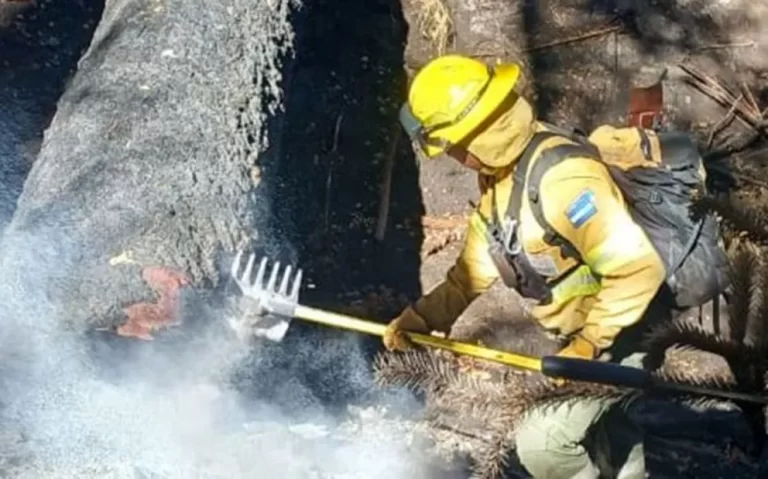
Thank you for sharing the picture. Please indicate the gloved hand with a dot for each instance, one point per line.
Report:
(409, 320)
(578, 348)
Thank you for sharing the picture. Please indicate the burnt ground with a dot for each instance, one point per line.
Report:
(40, 44)
(339, 134)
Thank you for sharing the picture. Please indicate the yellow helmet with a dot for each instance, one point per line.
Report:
(450, 97)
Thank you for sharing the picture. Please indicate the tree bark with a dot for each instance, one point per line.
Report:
(148, 174)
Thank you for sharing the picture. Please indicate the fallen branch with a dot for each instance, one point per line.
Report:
(749, 179)
(724, 122)
(719, 46)
(579, 38)
(386, 185)
(329, 178)
(745, 108)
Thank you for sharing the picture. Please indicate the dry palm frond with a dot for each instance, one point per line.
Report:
(758, 301)
(737, 219)
(749, 313)
(491, 460)
(471, 397)
(742, 254)
(512, 406)
(546, 395)
(420, 370)
(433, 22)
(687, 335)
(683, 365)
(429, 372)
(753, 414)
(491, 411)
(712, 382)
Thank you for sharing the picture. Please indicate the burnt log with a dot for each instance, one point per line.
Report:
(149, 173)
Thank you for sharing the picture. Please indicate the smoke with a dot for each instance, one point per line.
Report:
(169, 410)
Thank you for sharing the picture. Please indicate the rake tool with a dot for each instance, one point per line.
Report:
(273, 306)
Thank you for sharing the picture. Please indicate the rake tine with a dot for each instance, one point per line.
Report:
(273, 277)
(236, 264)
(249, 269)
(296, 285)
(262, 271)
(284, 283)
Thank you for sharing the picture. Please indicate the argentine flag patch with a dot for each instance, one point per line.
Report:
(582, 208)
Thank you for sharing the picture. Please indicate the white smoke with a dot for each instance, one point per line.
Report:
(170, 414)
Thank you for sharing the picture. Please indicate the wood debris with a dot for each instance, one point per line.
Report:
(440, 232)
(742, 106)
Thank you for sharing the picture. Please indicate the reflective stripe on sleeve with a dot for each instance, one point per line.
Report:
(581, 282)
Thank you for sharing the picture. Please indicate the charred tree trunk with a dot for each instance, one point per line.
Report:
(150, 170)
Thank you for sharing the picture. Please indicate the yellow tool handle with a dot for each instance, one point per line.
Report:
(552, 366)
(376, 329)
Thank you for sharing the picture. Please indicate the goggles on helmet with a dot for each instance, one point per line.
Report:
(420, 134)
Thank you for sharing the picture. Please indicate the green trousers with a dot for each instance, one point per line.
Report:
(551, 441)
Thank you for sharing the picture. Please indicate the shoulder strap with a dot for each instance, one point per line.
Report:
(521, 170)
(549, 158)
(575, 134)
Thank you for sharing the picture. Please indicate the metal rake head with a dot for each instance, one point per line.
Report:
(272, 305)
(256, 287)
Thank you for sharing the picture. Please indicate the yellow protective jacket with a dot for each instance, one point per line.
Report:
(622, 271)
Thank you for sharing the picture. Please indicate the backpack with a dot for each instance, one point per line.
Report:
(658, 175)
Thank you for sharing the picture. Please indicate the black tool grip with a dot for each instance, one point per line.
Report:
(595, 372)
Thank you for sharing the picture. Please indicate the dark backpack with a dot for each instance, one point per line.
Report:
(658, 190)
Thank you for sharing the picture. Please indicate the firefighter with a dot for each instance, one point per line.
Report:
(462, 109)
